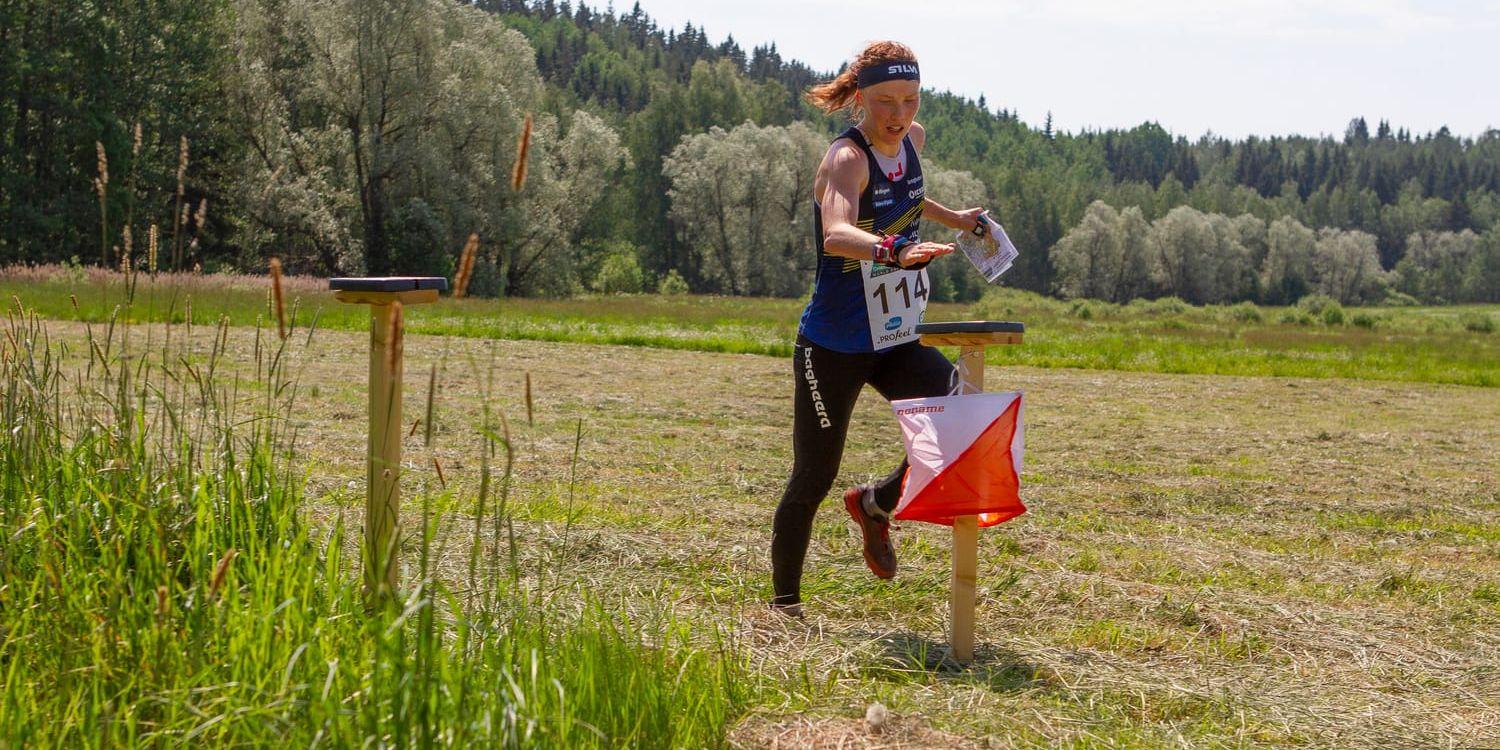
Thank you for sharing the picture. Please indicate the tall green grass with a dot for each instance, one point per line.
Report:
(161, 586)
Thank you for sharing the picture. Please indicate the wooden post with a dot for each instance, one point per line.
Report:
(383, 459)
(965, 536)
(971, 337)
(382, 535)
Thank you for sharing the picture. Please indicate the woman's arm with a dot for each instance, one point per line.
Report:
(935, 211)
(845, 175)
(962, 220)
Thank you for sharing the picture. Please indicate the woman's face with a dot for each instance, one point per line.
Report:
(890, 108)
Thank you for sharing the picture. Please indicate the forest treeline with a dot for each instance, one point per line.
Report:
(375, 136)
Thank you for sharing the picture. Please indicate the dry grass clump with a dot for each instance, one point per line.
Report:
(808, 733)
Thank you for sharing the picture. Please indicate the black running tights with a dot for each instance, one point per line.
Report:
(827, 385)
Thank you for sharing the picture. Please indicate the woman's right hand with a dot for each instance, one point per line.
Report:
(922, 253)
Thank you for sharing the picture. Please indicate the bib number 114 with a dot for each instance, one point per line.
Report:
(908, 292)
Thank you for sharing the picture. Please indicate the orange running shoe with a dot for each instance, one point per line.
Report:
(879, 554)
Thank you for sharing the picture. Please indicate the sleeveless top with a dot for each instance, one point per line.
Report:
(835, 316)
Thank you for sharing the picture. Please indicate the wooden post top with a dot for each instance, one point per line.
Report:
(970, 333)
(383, 290)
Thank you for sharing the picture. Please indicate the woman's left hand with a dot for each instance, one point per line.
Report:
(924, 252)
(967, 219)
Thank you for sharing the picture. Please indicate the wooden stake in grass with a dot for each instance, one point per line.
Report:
(523, 150)
(386, 298)
(278, 295)
(964, 580)
(382, 573)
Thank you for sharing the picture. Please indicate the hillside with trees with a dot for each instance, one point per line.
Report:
(374, 136)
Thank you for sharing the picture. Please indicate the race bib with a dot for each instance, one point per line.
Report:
(895, 301)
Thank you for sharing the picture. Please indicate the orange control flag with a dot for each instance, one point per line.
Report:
(965, 456)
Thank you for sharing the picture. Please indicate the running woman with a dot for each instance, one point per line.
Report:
(869, 293)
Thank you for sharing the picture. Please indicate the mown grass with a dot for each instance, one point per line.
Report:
(1197, 570)
(162, 585)
(1437, 345)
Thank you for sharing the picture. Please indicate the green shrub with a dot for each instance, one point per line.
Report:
(1081, 309)
(1441, 324)
(1478, 322)
(1394, 298)
(1364, 320)
(1294, 317)
(1005, 303)
(943, 289)
(1167, 306)
(672, 284)
(1313, 304)
(1333, 314)
(1246, 312)
(74, 271)
(620, 273)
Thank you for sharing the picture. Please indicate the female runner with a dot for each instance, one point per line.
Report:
(868, 296)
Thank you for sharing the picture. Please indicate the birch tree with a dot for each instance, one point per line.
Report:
(742, 200)
(1286, 273)
(1347, 265)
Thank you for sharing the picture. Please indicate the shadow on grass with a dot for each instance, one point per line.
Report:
(905, 657)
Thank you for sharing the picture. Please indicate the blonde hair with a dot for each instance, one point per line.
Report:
(832, 96)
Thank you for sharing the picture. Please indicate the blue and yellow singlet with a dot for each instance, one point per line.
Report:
(835, 317)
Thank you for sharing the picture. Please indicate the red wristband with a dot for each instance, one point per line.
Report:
(888, 249)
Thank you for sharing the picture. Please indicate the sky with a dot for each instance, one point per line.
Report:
(1231, 67)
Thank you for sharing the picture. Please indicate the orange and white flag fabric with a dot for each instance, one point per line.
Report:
(965, 456)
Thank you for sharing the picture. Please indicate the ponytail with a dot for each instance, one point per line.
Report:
(838, 94)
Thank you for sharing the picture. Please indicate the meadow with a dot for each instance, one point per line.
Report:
(1219, 553)
(1452, 344)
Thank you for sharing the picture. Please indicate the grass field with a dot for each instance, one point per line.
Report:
(1209, 560)
(1457, 345)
